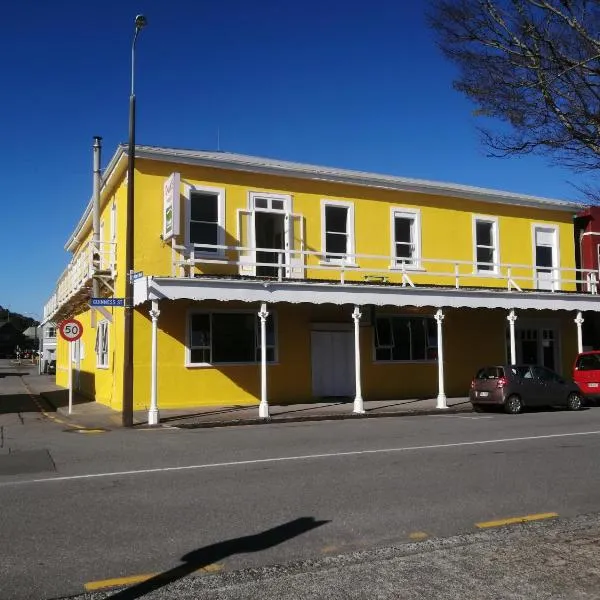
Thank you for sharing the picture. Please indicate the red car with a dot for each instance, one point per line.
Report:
(586, 373)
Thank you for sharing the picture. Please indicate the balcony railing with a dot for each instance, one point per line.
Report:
(371, 268)
(87, 263)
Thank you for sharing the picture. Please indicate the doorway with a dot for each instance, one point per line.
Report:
(537, 346)
(332, 356)
(269, 229)
(546, 257)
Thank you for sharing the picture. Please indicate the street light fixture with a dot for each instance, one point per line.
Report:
(127, 416)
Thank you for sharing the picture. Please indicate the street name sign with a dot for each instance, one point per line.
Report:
(107, 301)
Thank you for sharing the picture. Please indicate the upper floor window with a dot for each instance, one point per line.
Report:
(51, 332)
(101, 346)
(227, 337)
(485, 232)
(406, 236)
(338, 231)
(400, 338)
(206, 223)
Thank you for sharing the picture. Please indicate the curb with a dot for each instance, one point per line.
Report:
(329, 417)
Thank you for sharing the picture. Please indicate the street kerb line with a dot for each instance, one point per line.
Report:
(279, 459)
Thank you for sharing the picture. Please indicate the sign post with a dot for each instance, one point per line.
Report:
(71, 330)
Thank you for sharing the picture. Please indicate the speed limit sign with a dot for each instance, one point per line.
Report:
(71, 330)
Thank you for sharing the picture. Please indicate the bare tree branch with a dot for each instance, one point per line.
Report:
(534, 64)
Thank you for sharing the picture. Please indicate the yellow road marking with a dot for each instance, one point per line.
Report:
(92, 586)
(44, 412)
(418, 535)
(513, 520)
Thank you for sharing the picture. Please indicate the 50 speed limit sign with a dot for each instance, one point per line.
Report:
(71, 330)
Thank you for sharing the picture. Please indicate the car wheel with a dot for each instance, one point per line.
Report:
(513, 405)
(574, 401)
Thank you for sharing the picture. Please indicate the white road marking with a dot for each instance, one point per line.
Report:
(459, 417)
(278, 459)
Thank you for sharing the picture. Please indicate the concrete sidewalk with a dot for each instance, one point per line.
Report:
(93, 415)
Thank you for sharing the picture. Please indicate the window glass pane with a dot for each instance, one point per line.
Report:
(401, 332)
(543, 256)
(483, 231)
(200, 355)
(417, 328)
(277, 204)
(403, 229)
(233, 337)
(336, 218)
(335, 243)
(383, 332)
(204, 233)
(200, 331)
(204, 207)
(261, 203)
(404, 251)
(383, 354)
(485, 255)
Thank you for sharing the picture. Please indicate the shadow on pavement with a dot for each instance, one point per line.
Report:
(215, 552)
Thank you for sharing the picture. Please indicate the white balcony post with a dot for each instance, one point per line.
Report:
(441, 398)
(579, 322)
(153, 414)
(511, 318)
(359, 408)
(263, 408)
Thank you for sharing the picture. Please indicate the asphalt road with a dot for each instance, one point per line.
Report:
(83, 508)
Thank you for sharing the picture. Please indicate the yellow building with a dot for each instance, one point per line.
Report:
(283, 282)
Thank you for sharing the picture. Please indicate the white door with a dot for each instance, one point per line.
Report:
(546, 258)
(332, 355)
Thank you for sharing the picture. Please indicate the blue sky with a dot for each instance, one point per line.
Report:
(347, 84)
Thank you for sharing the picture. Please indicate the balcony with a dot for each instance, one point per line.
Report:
(281, 265)
(74, 286)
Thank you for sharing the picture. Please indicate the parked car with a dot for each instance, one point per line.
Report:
(586, 373)
(518, 386)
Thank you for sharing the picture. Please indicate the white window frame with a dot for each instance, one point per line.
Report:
(220, 192)
(415, 216)
(102, 344)
(270, 196)
(556, 272)
(50, 329)
(350, 257)
(495, 271)
(188, 338)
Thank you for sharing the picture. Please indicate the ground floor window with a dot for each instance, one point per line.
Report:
(400, 338)
(102, 344)
(228, 337)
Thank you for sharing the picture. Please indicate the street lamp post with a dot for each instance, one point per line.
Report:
(140, 23)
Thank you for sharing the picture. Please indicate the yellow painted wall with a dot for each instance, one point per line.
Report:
(446, 225)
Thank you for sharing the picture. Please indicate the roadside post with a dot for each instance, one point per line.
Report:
(70, 331)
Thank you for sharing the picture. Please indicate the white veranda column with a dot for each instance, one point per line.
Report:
(511, 318)
(263, 407)
(153, 414)
(359, 408)
(441, 398)
(579, 322)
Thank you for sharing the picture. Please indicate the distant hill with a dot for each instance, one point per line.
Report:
(20, 322)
